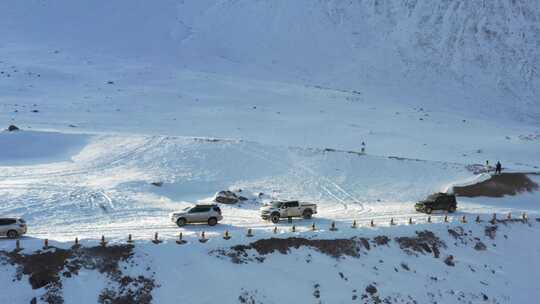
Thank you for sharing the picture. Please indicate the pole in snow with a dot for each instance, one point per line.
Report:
(203, 238)
(180, 240)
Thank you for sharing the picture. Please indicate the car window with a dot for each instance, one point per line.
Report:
(216, 209)
(292, 204)
(432, 197)
(199, 209)
(4, 222)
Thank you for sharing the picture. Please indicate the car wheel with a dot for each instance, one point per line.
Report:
(212, 221)
(12, 234)
(307, 214)
(181, 222)
(452, 209)
(428, 210)
(275, 218)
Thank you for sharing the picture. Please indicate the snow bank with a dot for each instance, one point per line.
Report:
(29, 147)
(422, 263)
(467, 182)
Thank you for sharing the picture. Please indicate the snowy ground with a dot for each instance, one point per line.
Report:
(459, 263)
(105, 187)
(186, 94)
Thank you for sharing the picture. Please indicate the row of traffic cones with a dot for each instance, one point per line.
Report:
(227, 235)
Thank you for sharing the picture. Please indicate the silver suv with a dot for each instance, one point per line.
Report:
(200, 213)
(12, 227)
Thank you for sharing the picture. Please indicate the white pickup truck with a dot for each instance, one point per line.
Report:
(285, 209)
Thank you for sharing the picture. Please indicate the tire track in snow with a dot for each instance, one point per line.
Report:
(258, 154)
(99, 164)
(318, 179)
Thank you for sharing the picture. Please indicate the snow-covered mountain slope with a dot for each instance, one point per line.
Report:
(428, 263)
(466, 56)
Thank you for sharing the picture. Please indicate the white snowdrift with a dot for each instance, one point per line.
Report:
(30, 147)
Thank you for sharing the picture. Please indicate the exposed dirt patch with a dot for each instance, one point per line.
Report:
(47, 268)
(499, 186)
(335, 248)
(424, 242)
(381, 240)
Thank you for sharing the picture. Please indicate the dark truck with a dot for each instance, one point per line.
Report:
(437, 201)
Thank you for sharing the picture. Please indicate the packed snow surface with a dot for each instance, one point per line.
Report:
(130, 110)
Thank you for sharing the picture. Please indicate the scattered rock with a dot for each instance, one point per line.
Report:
(371, 289)
(45, 268)
(425, 242)
(157, 184)
(13, 128)
(491, 231)
(228, 197)
(450, 260)
(480, 246)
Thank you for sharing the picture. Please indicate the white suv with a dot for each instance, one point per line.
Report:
(12, 227)
(201, 213)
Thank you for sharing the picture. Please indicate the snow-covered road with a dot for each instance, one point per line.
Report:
(104, 187)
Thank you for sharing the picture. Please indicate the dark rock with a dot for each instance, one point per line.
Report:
(491, 231)
(371, 289)
(157, 184)
(450, 260)
(480, 246)
(12, 128)
(228, 197)
(424, 242)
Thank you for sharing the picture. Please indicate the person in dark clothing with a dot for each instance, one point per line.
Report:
(498, 168)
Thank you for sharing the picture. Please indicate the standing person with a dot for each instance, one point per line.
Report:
(498, 168)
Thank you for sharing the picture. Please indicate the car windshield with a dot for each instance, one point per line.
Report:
(276, 204)
(22, 221)
(432, 197)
